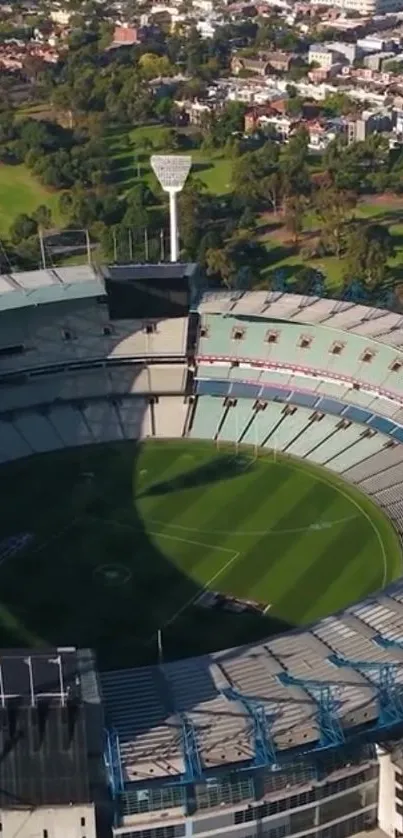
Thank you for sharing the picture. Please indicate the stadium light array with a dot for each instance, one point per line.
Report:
(172, 171)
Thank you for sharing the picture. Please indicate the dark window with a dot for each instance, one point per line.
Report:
(337, 348)
(399, 808)
(396, 366)
(367, 356)
(305, 342)
(272, 337)
(204, 332)
(399, 793)
(399, 778)
(244, 816)
(45, 833)
(82, 822)
(107, 331)
(16, 349)
(238, 334)
(67, 334)
(150, 328)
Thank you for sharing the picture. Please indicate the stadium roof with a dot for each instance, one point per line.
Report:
(44, 727)
(378, 323)
(147, 705)
(32, 288)
(165, 271)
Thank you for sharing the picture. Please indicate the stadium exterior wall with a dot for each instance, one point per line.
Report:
(74, 821)
(325, 799)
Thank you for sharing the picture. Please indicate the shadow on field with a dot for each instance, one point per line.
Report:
(92, 576)
(225, 467)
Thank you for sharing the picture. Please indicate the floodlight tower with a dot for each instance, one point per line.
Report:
(172, 171)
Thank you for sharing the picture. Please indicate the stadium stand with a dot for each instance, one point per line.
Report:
(290, 713)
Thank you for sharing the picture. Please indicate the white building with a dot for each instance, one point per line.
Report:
(72, 821)
(321, 55)
(367, 8)
(390, 797)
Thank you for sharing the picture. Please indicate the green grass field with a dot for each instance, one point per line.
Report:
(21, 192)
(130, 158)
(388, 212)
(125, 538)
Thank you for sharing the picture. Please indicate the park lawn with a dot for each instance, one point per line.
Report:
(131, 160)
(283, 257)
(21, 192)
(125, 538)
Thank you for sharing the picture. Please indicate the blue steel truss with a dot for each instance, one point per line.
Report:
(331, 733)
(191, 753)
(385, 643)
(113, 762)
(264, 747)
(390, 705)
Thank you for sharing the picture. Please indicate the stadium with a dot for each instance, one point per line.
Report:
(294, 732)
(201, 607)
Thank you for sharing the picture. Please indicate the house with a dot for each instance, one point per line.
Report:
(265, 62)
(125, 36)
(279, 60)
(265, 118)
(323, 56)
(254, 66)
(321, 133)
(368, 123)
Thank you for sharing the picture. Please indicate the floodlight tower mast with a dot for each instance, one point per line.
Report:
(172, 171)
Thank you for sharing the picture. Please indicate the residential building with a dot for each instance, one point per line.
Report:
(322, 55)
(265, 62)
(373, 43)
(125, 36)
(205, 6)
(368, 123)
(255, 66)
(377, 60)
(349, 51)
(61, 16)
(280, 61)
(367, 8)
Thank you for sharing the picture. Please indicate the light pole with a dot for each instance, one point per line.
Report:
(172, 171)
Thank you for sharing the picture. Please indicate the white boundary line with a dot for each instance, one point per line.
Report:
(334, 484)
(311, 528)
(345, 494)
(206, 586)
(190, 541)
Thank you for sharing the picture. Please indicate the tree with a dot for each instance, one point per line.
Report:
(294, 164)
(273, 188)
(239, 262)
(246, 179)
(154, 66)
(333, 207)
(294, 211)
(368, 251)
(229, 122)
(23, 227)
(295, 106)
(296, 152)
(220, 263)
(43, 216)
(192, 213)
(337, 104)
